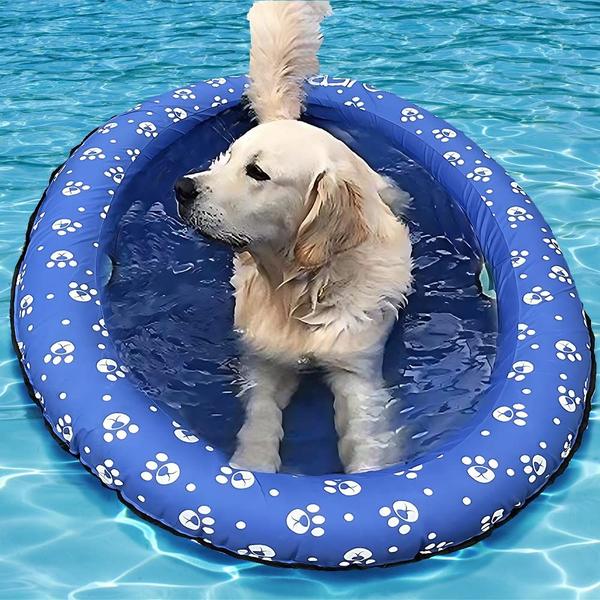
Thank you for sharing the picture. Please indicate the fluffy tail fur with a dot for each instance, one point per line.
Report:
(285, 39)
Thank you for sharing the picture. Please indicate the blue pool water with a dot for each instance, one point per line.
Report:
(519, 77)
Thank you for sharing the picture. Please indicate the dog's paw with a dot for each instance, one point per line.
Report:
(255, 457)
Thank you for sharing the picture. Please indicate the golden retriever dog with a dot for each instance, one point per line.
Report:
(321, 263)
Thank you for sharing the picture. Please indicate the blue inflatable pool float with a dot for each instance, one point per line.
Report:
(522, 434)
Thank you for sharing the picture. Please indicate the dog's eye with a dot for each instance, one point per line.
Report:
(255, 172)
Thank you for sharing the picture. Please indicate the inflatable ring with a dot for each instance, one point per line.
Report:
(539, 393)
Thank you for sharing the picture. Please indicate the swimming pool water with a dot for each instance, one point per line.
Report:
(519, 77)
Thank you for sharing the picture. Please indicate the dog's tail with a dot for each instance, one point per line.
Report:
(285, 39)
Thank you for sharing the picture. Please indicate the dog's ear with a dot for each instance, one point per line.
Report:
(334, 221)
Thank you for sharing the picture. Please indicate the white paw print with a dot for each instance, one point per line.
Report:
(400, 514)
(566, 350)
(444, 135)
(482, 470)
(111, 369)
(357, 556)
(184, 435)
(568, 399)
(184, 94)
(61, 351)
(104, 211)
(147, 129)
(108, 473)
(38, 220)
(490, 520)
(412, 473)
(520, 370)
(560, 274)
(21, 276)
(64, 428)
(81, 292)
(518, 257)
(517, 189)
(434, 546)
(216, 81)
(552, 244)
(65, 226)
(60, 259)
(218, 101)
(115, 173)
(163, 472)
(133, 153)
(537, 295)
(100, 327)
(515, 414)
(107, 128)
(410, 114)
(454, 158)
(567, 446)
(524, 331)
(302, 521)
(92, 154)
(72, 188)
(260, 551)
(240, 480)
(198, 519)
(516, 215)
(480, 174)
(117, 426)
(176, 114)
(26, 306)
(534, 466)
(346, 488)
(356, 102)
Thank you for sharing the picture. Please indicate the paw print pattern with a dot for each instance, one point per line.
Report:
(133, 153)
(489, 521)
(118, 426)
(92, 154)
(72, 188)
(218, 101)
(566, 350)
(216, 81)
(111, 369)
(64, 428)
(200, 518)
(65, 226)
(60, 352)
(61, 259)
(240, 480)
(511, 414)
(537, 295)
(346, 488)
(184, 94)
(356, 102)
(412, 473)
(147, 129)
(400, 515)
(410, 115)
(26, 306)
(568, 399)
(518, 258)
(524, 331)
(517, 189)
(81, 292)
(104, 212)
(107, 128)
(567, 446)
(480, 469)
(520, 370)
(260, 551)
(115, 173)
(553, 245)
(444, 135)
(432, 547)
(560, 274)
(160, 470)
(454, 158)
(357, 556)
(516, 215)
(176, 114)
(108, 473)
(184, 435)
(534, 466)
(100, 327)
(301, 521)
(480, 174)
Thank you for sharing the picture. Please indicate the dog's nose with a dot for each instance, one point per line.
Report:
(185, 190)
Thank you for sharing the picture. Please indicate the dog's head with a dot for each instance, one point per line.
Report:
(290, 188)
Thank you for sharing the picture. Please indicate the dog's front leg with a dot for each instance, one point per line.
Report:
(269, 389)
(366, 440)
